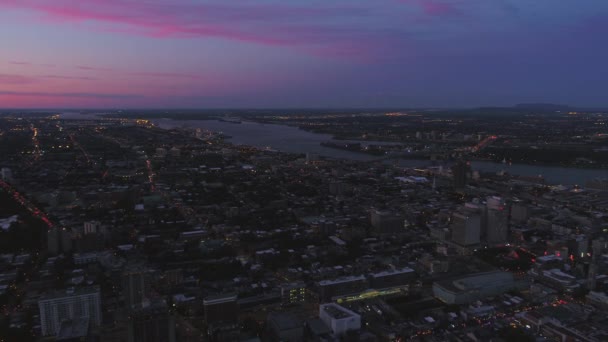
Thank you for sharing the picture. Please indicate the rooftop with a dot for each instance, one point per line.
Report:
(336, 311)
(341, 280)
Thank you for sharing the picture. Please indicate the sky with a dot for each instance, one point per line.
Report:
(302, 53)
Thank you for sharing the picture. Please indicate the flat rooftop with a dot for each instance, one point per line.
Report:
(336, 311)
(341, 280)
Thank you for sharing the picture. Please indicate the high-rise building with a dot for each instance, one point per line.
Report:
(152, 324)
(466, 227)
(135, 286)
(59, 240)
(60, 306)
(597, 247)
(519, 212)
(497, 226)
(460, 172)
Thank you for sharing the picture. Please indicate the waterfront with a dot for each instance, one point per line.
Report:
(268, 136)
(294, 140)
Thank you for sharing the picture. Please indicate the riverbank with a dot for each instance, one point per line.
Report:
(294, 140)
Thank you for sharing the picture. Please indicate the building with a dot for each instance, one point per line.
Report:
(74, 330)
(519, 212)
(339, 319)
(329, 289)
(59, 240)
(175, 152)
(160, 152)
(135, 286)
(293, 293)
(555, 332)
(497, 228)
(92, 227)
(284, 326)
(466, 227)
(474, 287)
(85, 258)
(556, 278)
(221, 308)
(460, 172)
(60, 306)
(598, 299)
(152, 324)
(7, 174)
(394, 278)
(386, 222)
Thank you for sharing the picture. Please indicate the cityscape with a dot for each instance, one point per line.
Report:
(181, 171)
(117, 229)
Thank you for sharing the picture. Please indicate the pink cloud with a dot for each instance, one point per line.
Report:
(19, 63)
(435, 7)
(77, 78)
(24, 63)
(438, 8)
(91, 68)
(22, 79)
(313, 29)
(15, 79)
(140, 73)
(70, 95)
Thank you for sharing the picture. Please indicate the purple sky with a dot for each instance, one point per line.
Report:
(297, 53)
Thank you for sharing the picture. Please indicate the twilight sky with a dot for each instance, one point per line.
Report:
(302, 53)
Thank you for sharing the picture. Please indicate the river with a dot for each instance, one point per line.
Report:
(294, 140)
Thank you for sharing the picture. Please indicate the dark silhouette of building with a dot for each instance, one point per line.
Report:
(152, 324)
(222, 308)
(135, 286)
(460, 172)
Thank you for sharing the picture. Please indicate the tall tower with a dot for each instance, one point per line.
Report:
(135, 286)
(460, 172)
(466, 227)
(597, 247)
(497, 231)
(152, 324)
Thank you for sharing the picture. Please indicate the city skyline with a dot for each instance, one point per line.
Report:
(271, 54)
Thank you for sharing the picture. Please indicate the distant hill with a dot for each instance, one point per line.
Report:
(543, 106)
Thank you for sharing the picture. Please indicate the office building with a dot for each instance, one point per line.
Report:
(473, 287)
(135, 286)
(460, 173)
(497, 228)
(59, 240)
(60, 306)
(293, 293)
(339, 319)
(393, 278)
(152, 324)
(466, 227)
(329, 289)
